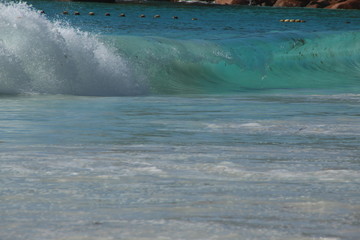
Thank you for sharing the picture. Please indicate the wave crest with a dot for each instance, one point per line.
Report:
(40, 56)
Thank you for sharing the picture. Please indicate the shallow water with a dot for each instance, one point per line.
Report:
(197, 139)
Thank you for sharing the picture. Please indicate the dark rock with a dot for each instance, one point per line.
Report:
(349, 4)
(291, 3)
(263, 2)
(318, 4)
(232, 2)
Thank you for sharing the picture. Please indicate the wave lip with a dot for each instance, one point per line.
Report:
(41, 56)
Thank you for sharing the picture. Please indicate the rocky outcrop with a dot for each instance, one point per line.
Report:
(349, 4)
(232, 2)
(318, 4)
(263, 2)
(291, 3)
(331, 4)
(246, 2)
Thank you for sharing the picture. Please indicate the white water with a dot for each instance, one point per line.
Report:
(262, 167)
(41, 56)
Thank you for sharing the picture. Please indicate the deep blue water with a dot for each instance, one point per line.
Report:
(231, 126)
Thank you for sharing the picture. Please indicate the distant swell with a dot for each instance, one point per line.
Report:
(39, 56)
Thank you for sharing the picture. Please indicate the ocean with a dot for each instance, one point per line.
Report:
(206, 122)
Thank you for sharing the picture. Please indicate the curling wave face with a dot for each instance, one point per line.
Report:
(277, 61)
(38, 55)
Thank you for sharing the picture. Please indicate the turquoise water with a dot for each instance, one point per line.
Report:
(232, 126)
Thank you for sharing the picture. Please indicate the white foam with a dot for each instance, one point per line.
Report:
(41, 56)
(250, 125)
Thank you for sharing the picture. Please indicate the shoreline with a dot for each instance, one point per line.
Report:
(325, 4)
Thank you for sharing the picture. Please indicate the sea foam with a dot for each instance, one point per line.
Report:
(50, 57)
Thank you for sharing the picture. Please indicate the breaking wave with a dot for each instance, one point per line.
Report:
(38, 55)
